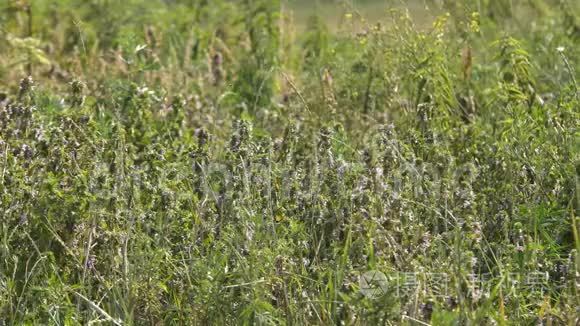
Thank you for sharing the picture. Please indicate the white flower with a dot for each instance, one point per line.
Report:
(560, 49)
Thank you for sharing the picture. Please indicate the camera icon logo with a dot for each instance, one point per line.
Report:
(373, 284)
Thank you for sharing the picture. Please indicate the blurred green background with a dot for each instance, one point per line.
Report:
(333, 11)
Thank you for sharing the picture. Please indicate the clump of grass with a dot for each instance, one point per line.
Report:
(196, 173)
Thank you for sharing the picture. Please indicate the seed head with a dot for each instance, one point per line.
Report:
(26, 86)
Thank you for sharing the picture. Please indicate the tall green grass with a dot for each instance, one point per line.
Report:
(197, 162)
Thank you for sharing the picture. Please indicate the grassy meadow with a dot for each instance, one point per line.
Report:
(269, 162)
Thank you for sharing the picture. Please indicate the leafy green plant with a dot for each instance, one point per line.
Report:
(192, 163)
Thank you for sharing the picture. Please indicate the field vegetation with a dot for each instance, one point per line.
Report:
(195, 162)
